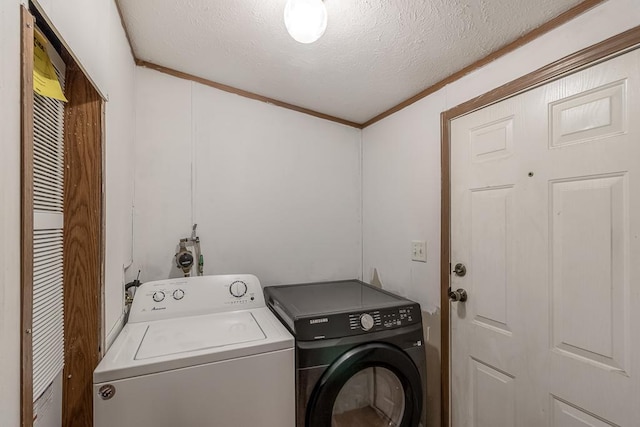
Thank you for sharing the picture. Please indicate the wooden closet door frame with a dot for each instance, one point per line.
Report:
(83, 243)
(600, 52)
(26, 226)
(84, 224)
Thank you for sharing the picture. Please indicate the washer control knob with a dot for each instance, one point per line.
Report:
(158, 296)
(366, 321)
(178, 294)
(238, 288)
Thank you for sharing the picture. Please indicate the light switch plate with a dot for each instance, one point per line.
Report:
(419, 250)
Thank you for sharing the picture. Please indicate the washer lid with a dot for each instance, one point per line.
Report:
(202, 332)
(139, 349)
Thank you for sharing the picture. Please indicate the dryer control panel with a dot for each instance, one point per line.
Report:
(192, 296)
(338, 325)
(379, 320)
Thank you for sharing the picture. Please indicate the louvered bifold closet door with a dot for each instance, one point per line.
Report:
(48, 204)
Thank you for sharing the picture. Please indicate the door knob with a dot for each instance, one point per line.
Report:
(460, 270)
(459, 295)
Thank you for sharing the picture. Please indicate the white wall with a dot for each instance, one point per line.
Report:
(120, 131)
(274, 192)
(86, 27)
(92, 31)
(401, 200)
(401, 203)
(9, 214)
(401, 162)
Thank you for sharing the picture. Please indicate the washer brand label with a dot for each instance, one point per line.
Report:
(158, 308)
(314, 321)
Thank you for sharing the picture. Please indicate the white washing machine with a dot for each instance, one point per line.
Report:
(196, 352)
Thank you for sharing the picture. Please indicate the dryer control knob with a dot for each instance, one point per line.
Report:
(158, 296)
(366, 321)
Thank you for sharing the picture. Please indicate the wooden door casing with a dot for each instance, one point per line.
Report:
(83, 245)
(26, 226)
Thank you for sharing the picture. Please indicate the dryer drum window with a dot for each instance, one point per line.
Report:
(373, 385)
(372, 397)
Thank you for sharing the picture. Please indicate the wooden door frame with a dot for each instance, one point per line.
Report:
(83, 243)
(84, 217)
(600, 52)
(26, 223)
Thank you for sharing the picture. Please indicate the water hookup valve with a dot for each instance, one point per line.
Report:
(185, 257)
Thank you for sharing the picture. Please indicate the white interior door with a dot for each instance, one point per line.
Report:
(545, 202)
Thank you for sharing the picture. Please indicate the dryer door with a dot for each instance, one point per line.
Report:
(372, 385)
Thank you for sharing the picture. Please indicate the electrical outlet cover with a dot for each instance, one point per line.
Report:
(419, 250)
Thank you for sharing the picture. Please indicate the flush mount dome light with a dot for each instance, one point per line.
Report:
(306, 20)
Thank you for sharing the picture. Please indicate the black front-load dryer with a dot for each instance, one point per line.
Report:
(360, 358)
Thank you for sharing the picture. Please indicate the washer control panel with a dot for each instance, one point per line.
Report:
(191, 296)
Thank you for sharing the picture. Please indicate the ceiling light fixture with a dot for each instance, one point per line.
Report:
(306, 20)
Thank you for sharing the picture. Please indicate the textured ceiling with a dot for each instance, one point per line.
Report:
(374, 54)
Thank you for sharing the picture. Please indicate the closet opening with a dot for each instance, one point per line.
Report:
(62, 237)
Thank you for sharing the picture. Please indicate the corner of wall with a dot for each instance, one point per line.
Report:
(361, 167)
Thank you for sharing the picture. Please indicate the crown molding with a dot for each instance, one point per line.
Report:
(244, 93)
(521, 41)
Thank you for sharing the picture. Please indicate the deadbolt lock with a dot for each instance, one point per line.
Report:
(460, 270)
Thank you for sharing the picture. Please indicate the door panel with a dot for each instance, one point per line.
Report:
(567, 415)
(545, 202)
(587, 268)
(492, 141)
(490, 223)
(493, 398)
(589, 115)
